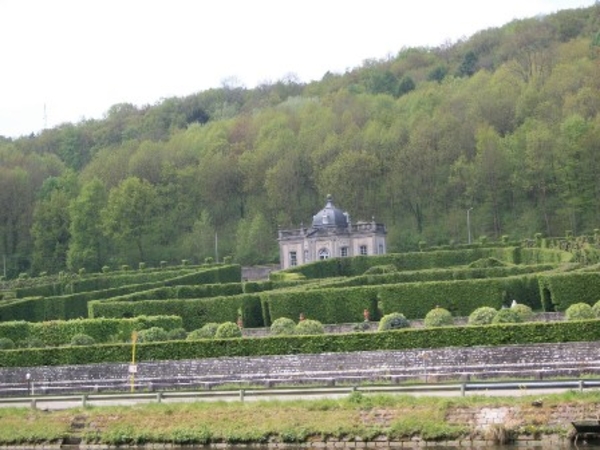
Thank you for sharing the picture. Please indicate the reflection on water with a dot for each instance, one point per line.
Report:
(579, 446)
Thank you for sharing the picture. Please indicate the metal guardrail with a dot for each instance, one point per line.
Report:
(460, 389)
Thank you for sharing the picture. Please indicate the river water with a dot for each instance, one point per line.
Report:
(580, 446)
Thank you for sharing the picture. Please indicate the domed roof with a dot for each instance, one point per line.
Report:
(330, 216)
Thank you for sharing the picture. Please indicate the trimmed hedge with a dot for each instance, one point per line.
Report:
(486, 335)
(182, 292)
(31, 309)
(415, 300)
(458, 273)
(75, 306)
(194, 312)
(535, 255)
(358, 265)
(561, 290)
(100, 282)
(71, 284)
(55, 333)
(325, 305)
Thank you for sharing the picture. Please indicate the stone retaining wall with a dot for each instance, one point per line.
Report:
(572, 359)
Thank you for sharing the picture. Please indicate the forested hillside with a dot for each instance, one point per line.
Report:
(506, 122)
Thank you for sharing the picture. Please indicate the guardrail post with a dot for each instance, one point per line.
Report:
(354, 389)
(581, 383)
(242, 394)
(159, 395)
(84, 400)
(463, 388)
(33, 403)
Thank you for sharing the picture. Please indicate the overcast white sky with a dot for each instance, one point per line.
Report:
(74, 59)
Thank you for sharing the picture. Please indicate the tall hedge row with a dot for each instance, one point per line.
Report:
(194, 312)
(198, 275)
(30, 309)
(231, 273)
(461, 298)
(71, 283)
(425, 338)
(536, 255)
(60, 332)
(325, 305)
(75, 306)
(182, 292)
(561, 290)
(458, 273)
(414, 300)
(403, 261)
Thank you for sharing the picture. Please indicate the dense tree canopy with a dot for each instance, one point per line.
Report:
(506, 122)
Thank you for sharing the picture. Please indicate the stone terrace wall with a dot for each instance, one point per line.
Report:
(572, 359)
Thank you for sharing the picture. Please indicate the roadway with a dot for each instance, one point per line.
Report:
(511, 389)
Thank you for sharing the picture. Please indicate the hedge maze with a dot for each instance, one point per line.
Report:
(43, 318)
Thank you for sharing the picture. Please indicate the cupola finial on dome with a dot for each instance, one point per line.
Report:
(330, 216)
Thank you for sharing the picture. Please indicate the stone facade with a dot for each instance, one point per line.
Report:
(331, 235)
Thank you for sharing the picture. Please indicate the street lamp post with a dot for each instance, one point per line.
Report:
(28, 379)
(469, 224)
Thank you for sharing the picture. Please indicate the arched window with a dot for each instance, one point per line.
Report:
(323, 253)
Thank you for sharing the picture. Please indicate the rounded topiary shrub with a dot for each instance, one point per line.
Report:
(228, 330)
(393, 321)
(596, 308)
(507, 315)
(283, 326)
(482, 316)
(82, 339)
(6, 344)
(438, 317)
(580, 311)
(309, 326)
(154, 334)
(178, 334)
(208, 331)
(524, 311)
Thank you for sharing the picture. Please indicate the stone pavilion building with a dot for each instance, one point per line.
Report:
(331, 235)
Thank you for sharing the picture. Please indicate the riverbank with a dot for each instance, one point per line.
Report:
(358, 421)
